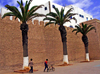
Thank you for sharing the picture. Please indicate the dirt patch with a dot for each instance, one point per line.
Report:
(86, 61)
(24, 70)
(65, 64)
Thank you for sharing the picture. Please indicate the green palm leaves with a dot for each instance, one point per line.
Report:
(84, 29)
(58, 17)
(25, 14)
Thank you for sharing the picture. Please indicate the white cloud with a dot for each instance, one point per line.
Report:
(97, 7)
(89, 12)
(96, 15)
(38, 2)
(96, 12)
(56, 1)
(73, 1)
(83, 3)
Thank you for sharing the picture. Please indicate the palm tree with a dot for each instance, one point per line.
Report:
(84, 30)
(59, 18)
(24, 16)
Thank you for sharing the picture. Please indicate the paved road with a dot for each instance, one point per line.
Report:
(78, 68)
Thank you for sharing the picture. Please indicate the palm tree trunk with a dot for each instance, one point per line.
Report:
(87, 54)
(24, 29)
(65, 55)
(85, 41)
(64, 40)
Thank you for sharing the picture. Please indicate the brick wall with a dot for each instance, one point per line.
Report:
(75, 46)
(10, 44)
(42, 43)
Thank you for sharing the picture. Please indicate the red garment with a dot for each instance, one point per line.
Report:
(46, 62)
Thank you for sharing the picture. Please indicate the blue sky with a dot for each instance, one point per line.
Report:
(91, 7)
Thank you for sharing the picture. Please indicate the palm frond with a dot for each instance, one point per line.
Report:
(91, 29)
(88, 27)
(74, 30)
(33, 9)
(34, 15)
(62, 13)
(14, 10)
(50, 19)
(49, 23)
(37, 8)
(24, 15)
(21, 2)
(71, 9)
(8, 14)
(70, 15)
(74, 19)
(27, 6)
(22, 9)
(85, 26)
(57, 11)
(79, 29)
(52, 14)
(66, 20)
(59, 16)
(82, 25)
(84, 29)
(77, 32)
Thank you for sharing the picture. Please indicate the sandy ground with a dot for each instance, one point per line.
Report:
(77, 68)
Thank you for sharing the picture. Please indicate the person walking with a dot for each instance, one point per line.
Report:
(31, 66)
(46, 65)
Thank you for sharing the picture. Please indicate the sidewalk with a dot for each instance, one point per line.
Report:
(78, 68)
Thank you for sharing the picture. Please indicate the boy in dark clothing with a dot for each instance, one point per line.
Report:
(46, 65)
(31, 66)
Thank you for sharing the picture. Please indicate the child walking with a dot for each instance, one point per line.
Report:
(46, 65)
(31, 66)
